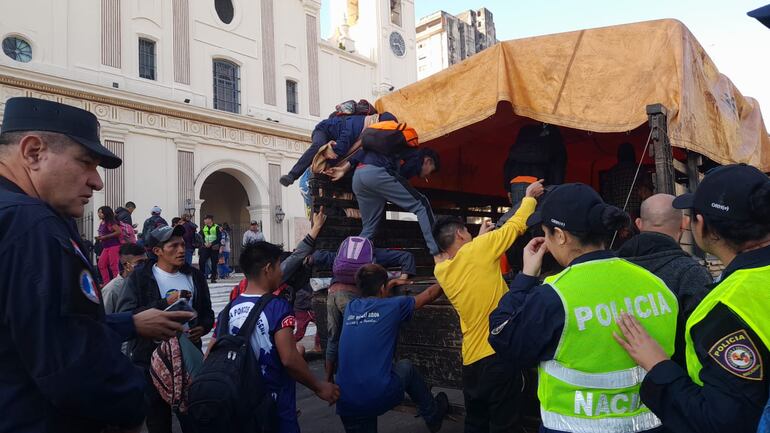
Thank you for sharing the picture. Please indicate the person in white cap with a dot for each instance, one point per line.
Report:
(153, 222)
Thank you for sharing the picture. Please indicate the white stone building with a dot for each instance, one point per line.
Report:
(444, 39)
(208, 102)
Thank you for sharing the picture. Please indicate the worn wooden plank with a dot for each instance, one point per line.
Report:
(440, 366)
(664, 166)
(433, 325)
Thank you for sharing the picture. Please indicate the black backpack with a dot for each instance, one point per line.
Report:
(229, 394)
(388, 137)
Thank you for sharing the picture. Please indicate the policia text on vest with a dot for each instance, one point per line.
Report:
(591, 384)
(643, 306)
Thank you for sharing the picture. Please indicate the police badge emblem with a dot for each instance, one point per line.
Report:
(737, 354)
(88, 287)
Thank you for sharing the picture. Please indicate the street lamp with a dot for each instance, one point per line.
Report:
(279, 214)
(189, 207)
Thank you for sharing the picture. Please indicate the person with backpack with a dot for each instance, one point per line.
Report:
(370, 382)
(342, 130)
(271, 337)
(354, 253)
(123, 214)
(382, 173)
(159, 284)
(153, 222)
(109, 237)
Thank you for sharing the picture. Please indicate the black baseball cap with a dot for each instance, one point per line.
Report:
(163, 234)
(32, 114)
(573, 207)
(725, 192)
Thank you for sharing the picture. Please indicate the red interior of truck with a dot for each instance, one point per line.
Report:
(472, 158)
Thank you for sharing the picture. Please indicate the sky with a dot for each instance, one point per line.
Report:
(738, 45)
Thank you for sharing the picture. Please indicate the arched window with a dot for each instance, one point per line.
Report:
(17, 48)
(227, 86)
(292, 103)
(225, 10)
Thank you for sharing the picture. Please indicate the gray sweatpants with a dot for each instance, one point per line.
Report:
(375, 186)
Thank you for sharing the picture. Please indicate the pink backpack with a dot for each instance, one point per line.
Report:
(127, 233)
(354, 253)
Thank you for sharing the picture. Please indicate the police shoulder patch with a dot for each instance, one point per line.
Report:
(88, 286)
(737, 354)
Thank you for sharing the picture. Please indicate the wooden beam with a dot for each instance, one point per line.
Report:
(694, 160)
(661, 147)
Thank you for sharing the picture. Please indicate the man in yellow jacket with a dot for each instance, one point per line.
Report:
(468, 270)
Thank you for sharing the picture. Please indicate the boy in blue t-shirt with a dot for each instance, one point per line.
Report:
(273, 338)
(370, 384)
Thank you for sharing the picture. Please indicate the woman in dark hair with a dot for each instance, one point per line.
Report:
(725, 384)
(109, 237)
(586, 381)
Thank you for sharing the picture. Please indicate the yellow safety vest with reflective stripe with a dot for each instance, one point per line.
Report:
(591, 384)
(210, 234)
(747, 293)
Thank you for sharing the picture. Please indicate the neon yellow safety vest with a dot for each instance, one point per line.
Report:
(210, 233)
(747, 293)
(591, 384)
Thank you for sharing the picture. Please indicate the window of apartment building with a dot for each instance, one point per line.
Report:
(17, 48)
(395, 12)
(225, 10)
(227, 86)
(292, 104)
(147, 59)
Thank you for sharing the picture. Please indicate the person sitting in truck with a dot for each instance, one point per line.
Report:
(380, 178)
(343, 131)
(626, 185)
(537, 153)
(586, 383)
(469, 273)
(370, 382)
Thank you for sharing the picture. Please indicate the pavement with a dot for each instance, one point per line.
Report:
(316, 416)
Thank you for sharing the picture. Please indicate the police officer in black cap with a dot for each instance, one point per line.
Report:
(724, 385)
(586, 382)
(61, 369)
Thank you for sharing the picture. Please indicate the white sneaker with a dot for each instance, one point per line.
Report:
(320, 283)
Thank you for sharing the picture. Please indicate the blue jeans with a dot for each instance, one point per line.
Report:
(224, 269)
(418, 391)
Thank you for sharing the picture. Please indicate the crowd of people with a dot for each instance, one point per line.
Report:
(635, 339)
(212, 241)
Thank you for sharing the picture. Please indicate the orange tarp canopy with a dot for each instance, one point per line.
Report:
(598, 81)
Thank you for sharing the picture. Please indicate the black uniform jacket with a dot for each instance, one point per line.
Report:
(733, 393)
(61, 369)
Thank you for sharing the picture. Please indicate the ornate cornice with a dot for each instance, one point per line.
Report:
(147, 108)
